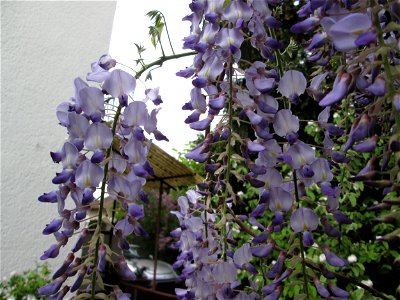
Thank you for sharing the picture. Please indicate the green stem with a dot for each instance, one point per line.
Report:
(388, 72)
(100, 216)
(279, 64)
(158, 62)
(229, 154)
(303, 261)
(162, 48)
(161, 60)
(166, 30)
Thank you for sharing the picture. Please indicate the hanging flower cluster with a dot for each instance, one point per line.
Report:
(105, 150)
(262, 95)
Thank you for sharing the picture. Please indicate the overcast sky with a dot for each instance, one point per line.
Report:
(131, 26)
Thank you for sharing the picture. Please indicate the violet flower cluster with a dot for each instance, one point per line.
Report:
(262, 95)
(106, 152)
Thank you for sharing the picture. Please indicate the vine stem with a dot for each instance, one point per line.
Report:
(100, 216)
(166, 29)
(157, 62)
(389, 76)
(161, 60)
(229, 154)
(303, 261)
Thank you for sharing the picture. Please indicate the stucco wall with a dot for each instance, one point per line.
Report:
(44, 46)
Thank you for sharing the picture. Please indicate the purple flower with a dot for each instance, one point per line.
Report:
(285, 123)
(61, 270)
(332, 258)
(52, 252)
(53, 226)
(98, 74)
(107, 62)
(338, 291)
(202, 124)
(77, 126)
(119, 295)
(304, 219)
(229, 39)
(136, 152)
(307, 239)
(119, 83)
(124, 270)
(243, 255)
(60, 295)
(292, 84)
(280, 200)
(320, 288)
(360, 129)
(102, 258)
(366, 38)
(329, 229)
(346, 30)
(237, 10)
(211, 69)
(339, 90)
(52, 287)
(98, 136)
(224, 272)
(366, 146)
(262, 250)
(50, 197)
(300, 154)
(88, 174)
(304, 26)
(79, 279)
(136, 210)
(80, 240)
(264, 84)
(341, 218)
(322, 170)
(92, 102)
(135, 114)
(276, 268)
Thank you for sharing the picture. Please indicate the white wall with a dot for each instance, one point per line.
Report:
(44, 46)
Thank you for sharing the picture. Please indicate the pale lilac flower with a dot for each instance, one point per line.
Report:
(119, 83)
(292, 85)
(98, 136)
(92, 102)
(285, 123)
(345, 31)
(304, 219)
(88, 174)
(339, 90)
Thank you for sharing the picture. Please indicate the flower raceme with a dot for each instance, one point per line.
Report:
(99, 155)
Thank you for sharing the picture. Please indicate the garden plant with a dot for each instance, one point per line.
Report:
(299, 106)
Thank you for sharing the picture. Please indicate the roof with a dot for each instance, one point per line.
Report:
(169, 170)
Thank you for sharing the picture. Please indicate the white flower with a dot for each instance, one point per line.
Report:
(352, 258)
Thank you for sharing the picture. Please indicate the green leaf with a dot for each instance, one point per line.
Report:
(83, 296)
(294, 261)
(226, 3)
(353, 199)
(101, 296)
(221, 223)
(299, 296)
(139, 48)
(358, 294)
(148, 76)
